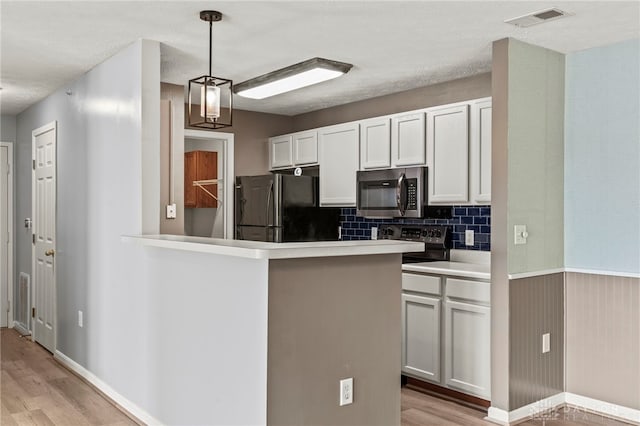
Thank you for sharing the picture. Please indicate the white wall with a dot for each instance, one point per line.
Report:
(100, 197)
(602, 159)
(156, 322)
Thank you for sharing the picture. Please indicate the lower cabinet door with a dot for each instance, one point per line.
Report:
(421, 337)
(468, 348)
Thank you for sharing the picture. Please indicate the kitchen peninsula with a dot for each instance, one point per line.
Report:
(285, 322)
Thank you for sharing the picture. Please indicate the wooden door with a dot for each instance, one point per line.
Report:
(44, 224)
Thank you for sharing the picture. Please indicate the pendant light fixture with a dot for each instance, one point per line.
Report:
(210, 98)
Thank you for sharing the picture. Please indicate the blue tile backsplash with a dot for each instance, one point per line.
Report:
(476, 218)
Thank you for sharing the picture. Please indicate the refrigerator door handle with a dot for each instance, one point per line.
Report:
(269, 194)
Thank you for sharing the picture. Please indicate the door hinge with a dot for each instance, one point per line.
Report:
(33, 312)
(33, 238)
(33, 164)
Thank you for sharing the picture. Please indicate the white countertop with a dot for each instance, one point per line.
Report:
(458, 269)
(262, 250)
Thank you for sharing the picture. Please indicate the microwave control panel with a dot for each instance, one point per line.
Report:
(412, 194)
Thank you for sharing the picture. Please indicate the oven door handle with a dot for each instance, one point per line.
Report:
(402, 208)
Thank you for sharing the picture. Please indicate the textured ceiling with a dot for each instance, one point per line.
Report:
(393, 46)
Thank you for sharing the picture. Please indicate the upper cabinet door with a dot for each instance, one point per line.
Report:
(480, 161)
(407, 140)
(339, 162)
(305, 148)
(448, 155)
(375, 143)
(280, 151)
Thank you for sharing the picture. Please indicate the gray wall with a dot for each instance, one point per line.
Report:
(536, 156)
(527, 189)
(331, 323)
(603, 338)
(251, 132)
(8, 128)
(478, 86)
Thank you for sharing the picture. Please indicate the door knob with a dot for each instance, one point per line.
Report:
(50, 252)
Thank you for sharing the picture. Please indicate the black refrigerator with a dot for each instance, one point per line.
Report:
(282, 208)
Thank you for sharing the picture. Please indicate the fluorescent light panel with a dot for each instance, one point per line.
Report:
(294, 77)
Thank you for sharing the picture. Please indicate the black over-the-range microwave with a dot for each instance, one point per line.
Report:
(392, 193)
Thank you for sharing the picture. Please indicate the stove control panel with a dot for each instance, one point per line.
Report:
(430, 234)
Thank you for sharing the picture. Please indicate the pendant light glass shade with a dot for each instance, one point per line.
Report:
(210, 98)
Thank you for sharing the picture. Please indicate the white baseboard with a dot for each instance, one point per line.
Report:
(606, 408)
(538, 408)
(123, 402)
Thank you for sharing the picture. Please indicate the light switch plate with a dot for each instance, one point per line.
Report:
(520, 234)
(171, 211)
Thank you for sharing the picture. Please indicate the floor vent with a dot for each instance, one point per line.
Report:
(23, 301)
(538, 17)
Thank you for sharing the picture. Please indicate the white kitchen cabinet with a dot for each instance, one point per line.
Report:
(375, 143)
(421, 336)
(448, 154)
(467, 337)
(297, 149)
(408, 140)
(280, 151)
(339, 148)
(480, 161)
(305, 148)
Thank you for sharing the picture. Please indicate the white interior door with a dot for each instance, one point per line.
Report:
(4, 236)
(44, 214)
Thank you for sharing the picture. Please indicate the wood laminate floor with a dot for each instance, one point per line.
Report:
(36, 390)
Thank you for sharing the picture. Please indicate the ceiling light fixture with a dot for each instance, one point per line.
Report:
(293, 77)
(210, 98)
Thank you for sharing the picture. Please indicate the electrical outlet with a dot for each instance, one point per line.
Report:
(546, 343)
(346, 391)
(469, 239)
(80, 319)
(171, 211)
(374, 232)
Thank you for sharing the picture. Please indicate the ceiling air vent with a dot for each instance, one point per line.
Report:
(537, 17)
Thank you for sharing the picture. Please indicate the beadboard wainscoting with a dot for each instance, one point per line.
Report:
(463, 218)
(603, 338)
(536, 308)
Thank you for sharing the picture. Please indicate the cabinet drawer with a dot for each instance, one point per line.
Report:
(468, 290)
(421, 283)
